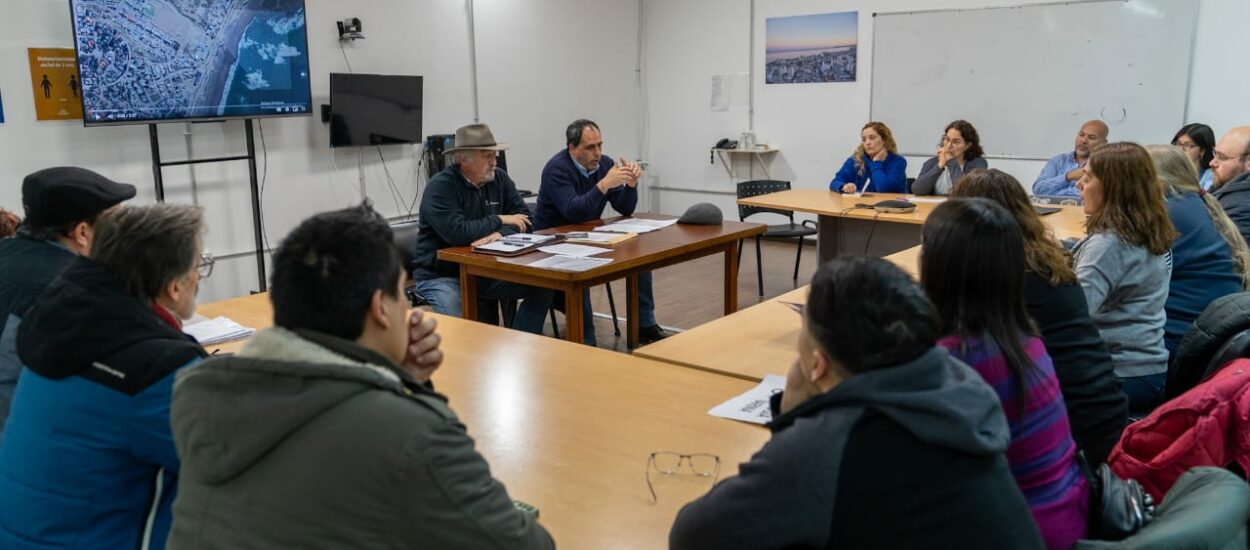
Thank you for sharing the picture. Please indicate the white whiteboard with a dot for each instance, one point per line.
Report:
(1028, 76)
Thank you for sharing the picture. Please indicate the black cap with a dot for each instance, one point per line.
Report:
(63, 195)
(704, 213)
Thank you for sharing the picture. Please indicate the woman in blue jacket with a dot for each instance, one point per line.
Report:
(875, 166)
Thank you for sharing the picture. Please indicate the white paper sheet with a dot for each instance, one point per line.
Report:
(528, 238)
(636, 225)
(577, 250)
(216, 331)
(570, 263)
(752, 406)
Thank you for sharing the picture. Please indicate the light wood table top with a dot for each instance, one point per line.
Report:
(1068, 222)
(568, 428)
(749, 344)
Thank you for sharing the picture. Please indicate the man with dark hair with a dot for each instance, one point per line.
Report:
(577, 184)
(471, 202)
(880, 439)
(61, 207)
(88, 459)
(324, 431)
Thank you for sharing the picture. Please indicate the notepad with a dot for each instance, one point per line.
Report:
(217, 330)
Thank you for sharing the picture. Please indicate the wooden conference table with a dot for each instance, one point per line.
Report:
(649, 251)
(568, 428)
(762, 339)
(847, 229)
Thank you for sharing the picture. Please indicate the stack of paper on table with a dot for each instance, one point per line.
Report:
(595, 237)
(215, 331)
(635, 225)
(570, 263)
(576, 250)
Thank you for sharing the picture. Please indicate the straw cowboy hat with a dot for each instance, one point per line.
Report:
(476, 137)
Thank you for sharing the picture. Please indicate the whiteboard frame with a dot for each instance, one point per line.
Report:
(872, 82)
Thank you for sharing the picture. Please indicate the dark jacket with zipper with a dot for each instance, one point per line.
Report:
(1234, 196)
(88, 459)
(27, 266)
(455, 213)
(910, 456)
(304, 440)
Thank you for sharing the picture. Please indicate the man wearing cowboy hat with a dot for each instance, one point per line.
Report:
(471, 202)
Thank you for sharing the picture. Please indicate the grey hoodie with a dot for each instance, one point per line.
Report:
(309, 441)
(785, 496)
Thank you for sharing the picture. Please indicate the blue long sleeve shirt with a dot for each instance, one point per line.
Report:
(568, 193)
(887, 176)
(1053, 181)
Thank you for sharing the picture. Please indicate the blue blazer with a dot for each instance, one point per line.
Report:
(887, 176)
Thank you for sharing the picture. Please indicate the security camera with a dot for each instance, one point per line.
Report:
(350, 29)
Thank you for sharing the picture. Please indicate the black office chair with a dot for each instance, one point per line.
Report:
(783, 231)
(405, 236)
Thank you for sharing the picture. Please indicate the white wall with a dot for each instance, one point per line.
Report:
(817, 126)
(540, 65)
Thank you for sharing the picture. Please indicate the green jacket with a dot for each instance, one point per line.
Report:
(303, 440)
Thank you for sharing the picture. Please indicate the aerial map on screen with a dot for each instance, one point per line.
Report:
(145, 60)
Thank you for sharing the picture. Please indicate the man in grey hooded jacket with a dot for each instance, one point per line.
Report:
(324, 431)
(882, 440)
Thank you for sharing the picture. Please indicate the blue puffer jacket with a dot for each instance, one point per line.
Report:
(27, 266)
(88, 459)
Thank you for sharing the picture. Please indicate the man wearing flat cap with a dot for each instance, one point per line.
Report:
(61, 206)
(472, 202)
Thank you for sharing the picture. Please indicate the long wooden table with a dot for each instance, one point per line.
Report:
(671, 245)
(568, 428)
(844, 228)
(754, 342)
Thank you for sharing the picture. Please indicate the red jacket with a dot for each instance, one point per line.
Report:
(1208, 425)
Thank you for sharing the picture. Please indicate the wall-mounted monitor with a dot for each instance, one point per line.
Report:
(168, 60)
(374, 109)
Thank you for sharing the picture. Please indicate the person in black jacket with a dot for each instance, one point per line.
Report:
(1096, 403)
(1230, 177)
(880, 439)
(61, 208)
(472, 202)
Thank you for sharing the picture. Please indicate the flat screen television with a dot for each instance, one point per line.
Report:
(143, 61)
(374, 109)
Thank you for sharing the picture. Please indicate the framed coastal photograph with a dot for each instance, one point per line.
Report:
(804, 49)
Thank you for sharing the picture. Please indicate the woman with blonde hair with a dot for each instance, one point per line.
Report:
(1210, 258)
(1097, 407)
(1124, 264)
(875, 166)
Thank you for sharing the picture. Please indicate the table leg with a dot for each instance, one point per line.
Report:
(827, 238)
(631, 311)
(575, 331)
(468, 294)
(731, 279)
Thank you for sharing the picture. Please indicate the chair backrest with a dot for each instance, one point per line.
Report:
(1207, 341)
(1236, 347)
(910, 181)
(1206, 508)
(406, 241)
(761, 187)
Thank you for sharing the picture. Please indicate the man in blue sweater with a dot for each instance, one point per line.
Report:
(577, 184)
(472, 202)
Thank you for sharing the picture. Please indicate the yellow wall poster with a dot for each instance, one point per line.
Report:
(54, 80)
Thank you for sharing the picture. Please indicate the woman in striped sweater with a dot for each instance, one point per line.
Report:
(972, 266)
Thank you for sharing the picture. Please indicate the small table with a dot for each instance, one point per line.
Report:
(649, 251)
(845, 228)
